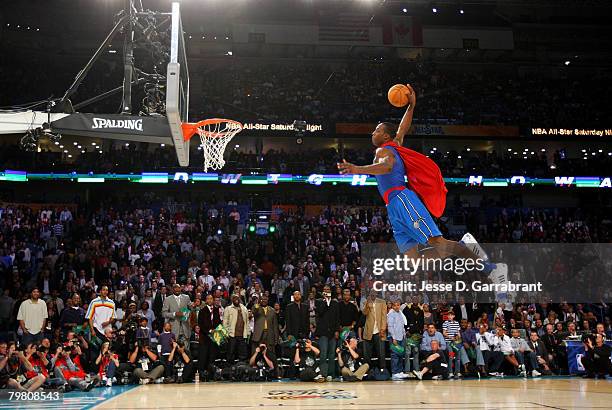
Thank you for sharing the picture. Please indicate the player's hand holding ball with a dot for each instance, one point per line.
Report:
(401, 95)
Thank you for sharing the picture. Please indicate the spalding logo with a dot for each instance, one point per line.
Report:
(135, 125)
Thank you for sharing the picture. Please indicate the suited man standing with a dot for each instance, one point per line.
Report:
(297, 317)
(158, 301)
(328, 329)
(374, 332)
(172, 312)
(265, 329)
(208, 319)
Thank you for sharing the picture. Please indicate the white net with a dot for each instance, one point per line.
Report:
(214, 137)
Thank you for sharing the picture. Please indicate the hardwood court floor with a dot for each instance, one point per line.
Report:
(504, 394)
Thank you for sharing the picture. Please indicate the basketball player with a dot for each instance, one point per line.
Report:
(410, 207)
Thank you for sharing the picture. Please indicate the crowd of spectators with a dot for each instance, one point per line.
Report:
(137, 295)
(355, 91)
(456, 163)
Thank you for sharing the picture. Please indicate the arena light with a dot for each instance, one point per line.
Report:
(251, 228)
(567, 62)
(434, 10)
(272, 228)
(219, 232)
(461, 11)
(405, 10)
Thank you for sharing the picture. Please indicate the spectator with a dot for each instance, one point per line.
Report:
(328, 325)
(436, 363)
(32, 317)
(396, 322)
(208, 319)
(374, 335)
(523, 352)
(536, 345)
(101, 313)
(235, 320)
(174, 310)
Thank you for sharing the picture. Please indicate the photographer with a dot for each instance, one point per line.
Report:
(147, 366)
(263, 365)
(107, 362)
(179, 367)
(78, 340)
(349, 360)
(596, 359)
(67, 366)
(306, 360)
(15, 369)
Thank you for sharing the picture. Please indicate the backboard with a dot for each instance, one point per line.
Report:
(177, 87)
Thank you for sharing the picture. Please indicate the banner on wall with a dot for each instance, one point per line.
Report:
(575, 352)
(441, 130)
(572, 132)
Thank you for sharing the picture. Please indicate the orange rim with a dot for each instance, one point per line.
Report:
(191, 128)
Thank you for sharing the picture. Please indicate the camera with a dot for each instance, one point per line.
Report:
(300, 343)
(586, 337)
(142, 343)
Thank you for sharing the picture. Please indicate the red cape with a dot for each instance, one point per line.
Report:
(424, 178)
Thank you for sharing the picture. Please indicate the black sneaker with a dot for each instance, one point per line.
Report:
(90, 386)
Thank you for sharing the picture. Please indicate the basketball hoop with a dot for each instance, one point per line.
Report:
(214, 134)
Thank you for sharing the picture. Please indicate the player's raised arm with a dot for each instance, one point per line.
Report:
(407, 118)
(383, 164)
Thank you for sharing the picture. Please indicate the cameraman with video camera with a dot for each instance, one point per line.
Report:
(352, 368)
(179, 365)
(306, 360)
(147, 366)
(262, 364)
(596, 359)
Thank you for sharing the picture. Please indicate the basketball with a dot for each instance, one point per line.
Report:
(398, 95)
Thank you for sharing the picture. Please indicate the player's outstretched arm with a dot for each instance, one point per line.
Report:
(407, 118)
(383, 164)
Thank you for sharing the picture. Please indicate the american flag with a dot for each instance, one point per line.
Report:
(344, 27)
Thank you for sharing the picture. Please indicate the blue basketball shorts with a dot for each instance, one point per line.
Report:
(412, 224)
